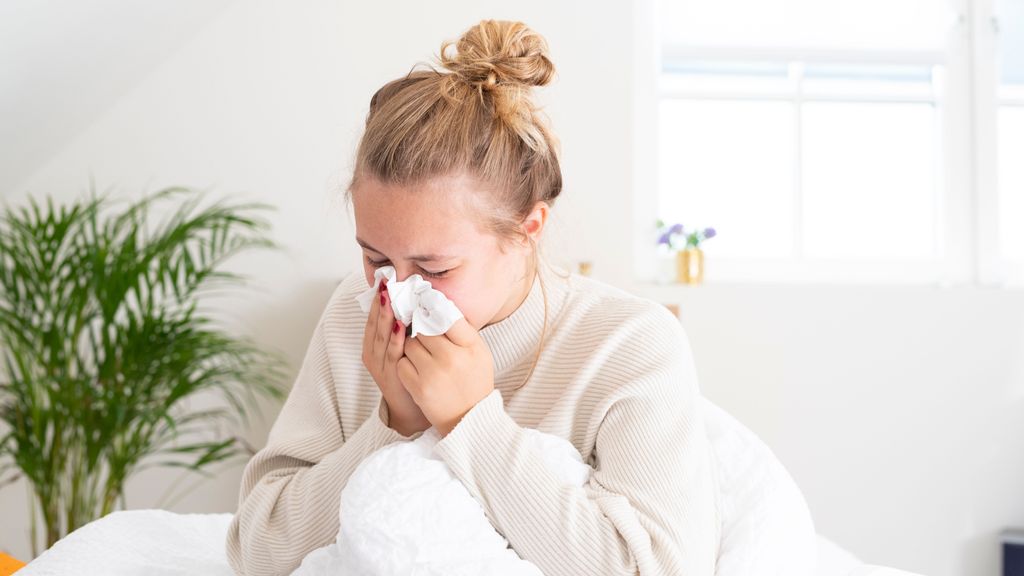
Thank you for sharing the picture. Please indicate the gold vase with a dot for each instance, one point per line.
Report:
(690, 266)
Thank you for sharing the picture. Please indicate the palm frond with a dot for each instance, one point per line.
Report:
(102, 343)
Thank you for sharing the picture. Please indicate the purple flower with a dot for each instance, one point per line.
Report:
(676, 234)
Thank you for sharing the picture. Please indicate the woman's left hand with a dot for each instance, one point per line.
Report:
(447, 375)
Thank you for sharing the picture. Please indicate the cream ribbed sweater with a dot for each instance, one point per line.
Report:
(615, 378)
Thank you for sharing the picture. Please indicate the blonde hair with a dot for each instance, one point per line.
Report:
(478, 119)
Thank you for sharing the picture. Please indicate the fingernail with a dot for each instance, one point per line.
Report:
(394, 329)
(381, 299)
(384, 286)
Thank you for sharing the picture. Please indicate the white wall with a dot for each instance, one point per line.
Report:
(898, 410)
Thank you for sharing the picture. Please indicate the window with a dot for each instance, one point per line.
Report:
(832, 141)
(804, 160)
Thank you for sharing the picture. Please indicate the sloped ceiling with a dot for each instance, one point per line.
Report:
(64, 62)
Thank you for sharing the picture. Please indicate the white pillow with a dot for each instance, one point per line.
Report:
(766, 526)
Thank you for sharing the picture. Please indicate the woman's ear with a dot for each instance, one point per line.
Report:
(533, 224)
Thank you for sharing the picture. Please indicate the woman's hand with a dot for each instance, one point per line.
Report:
(448, 374)
(383, 345)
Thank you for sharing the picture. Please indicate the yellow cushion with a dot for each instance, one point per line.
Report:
(9, 565)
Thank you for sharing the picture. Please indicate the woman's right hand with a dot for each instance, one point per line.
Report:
(383, 347)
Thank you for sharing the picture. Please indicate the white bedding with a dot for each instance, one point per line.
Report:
(161, 543)
(766, 526)
(403, 512)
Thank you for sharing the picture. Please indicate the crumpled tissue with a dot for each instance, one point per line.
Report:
(415, 303)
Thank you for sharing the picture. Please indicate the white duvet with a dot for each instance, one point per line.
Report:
(765, 522)
(403, 512)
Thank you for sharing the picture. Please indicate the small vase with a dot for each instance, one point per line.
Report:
(690, 266)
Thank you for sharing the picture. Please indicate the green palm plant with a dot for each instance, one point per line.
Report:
(103, 343)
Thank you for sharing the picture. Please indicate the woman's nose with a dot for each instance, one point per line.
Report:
(402, 272)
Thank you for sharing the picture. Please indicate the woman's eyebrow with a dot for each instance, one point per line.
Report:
(417, 258)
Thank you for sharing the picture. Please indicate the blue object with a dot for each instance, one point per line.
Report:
(1013, 552)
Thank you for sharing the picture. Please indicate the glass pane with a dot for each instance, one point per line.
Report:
(1011, 182)
(1010, 128)
(824, 24)
(851, 81)
(694, 76)
(729, 165)
(1011, 41)
(868, 180)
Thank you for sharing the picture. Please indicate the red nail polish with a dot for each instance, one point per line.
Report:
(394, 329)
(381, 299)
(384, 286)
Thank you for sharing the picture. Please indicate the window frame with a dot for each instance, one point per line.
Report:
(993, 270)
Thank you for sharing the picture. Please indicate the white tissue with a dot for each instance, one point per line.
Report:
(414, 301)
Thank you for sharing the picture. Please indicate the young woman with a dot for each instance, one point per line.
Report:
(454, 179)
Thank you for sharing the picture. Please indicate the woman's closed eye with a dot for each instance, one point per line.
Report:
(427, 273)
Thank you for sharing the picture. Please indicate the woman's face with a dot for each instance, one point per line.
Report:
(428, 229)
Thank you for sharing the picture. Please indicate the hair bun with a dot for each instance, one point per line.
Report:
(496, 52)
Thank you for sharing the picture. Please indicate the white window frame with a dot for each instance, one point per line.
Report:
(992, 269)
(969, 220)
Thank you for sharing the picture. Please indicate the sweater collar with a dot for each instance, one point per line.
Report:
(515, 337)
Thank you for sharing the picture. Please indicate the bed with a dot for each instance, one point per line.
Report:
(764, 519)
(162, 543)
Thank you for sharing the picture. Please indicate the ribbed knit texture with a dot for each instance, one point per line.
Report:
(615, 378)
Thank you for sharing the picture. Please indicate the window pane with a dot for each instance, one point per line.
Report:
(729, 165)
(868, 182)
(1011, 40)
(855, 81)
(694, 76)
(1011, 182)
(1010, 128)
(825, 24)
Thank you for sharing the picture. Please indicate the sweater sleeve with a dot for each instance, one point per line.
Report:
(649, 507)
(291, 489)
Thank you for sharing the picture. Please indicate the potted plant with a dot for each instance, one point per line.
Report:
(686, 247)
(103, 343)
